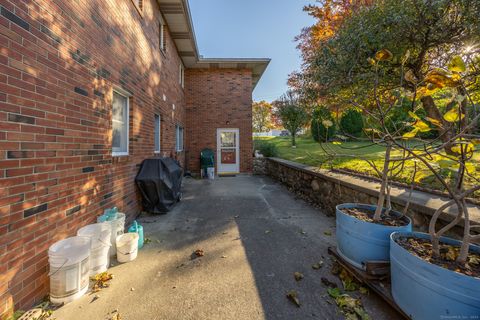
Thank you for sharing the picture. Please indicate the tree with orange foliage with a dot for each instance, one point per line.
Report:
(329, 16)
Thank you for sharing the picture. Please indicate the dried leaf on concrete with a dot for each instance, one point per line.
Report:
(101, 281)
(336, 268)
(298, 276)
(352, 308)
(199, 253)
(317, 265)
(328, 283)
(293, 297)
(349, 283)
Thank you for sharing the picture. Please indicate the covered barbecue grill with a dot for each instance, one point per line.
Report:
(159, 181)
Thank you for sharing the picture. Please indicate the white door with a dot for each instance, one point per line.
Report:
(228, 155)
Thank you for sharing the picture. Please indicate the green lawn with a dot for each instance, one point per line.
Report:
(349, 156)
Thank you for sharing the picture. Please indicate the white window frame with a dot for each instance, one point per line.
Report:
(126, 95)
(162, 36)
(178, 129)
(157, 120)
(181, 75)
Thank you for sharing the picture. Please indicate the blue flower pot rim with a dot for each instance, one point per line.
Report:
(395, 235)
(339, 209)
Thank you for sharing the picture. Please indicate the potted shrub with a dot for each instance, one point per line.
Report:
(363, 230)
(433, 276)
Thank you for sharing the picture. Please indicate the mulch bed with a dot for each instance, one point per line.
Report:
(422, 248)
(367, 216)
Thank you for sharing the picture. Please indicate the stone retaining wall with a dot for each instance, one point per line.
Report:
(326, 190)
(259, 166)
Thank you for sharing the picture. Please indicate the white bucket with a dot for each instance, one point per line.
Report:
(127, 247)
(69, 269)
(118, 228)
(211, 173)
(100, 235)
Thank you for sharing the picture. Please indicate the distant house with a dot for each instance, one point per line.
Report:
(88, 90)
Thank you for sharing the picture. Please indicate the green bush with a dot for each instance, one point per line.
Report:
(398, 117)
(320, 132)
(351, 123)
(267, 149)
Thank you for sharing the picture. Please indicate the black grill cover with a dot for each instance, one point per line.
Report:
(159, 181)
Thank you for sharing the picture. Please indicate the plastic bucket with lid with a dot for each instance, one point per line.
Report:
(69, 269)
(100, 235)
(127, 247)
(117, 225)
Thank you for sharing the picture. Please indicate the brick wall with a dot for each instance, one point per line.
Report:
(218, 98)
(59, 61)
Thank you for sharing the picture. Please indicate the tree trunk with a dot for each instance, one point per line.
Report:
(383, 188)
(446, 132)
(294, 143)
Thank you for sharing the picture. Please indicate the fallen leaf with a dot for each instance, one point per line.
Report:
(327, 233)
(199, 253)
(383, 55)
(363, 290)
(101, 281)
(473, 259)
(349, 284)
(147, 241)
(328, 283)
(334, 292)
(298, 276)
(347, 302)
(293, 297)
(132, 289)
(451, 254)
(335, 269)
(362, 313)
(116, 316)
(318, 265)
(224, 257)
(267, 231)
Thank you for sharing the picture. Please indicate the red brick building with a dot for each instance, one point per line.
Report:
(88, 90)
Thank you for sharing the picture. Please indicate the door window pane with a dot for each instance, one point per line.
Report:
(229, 156)
(227, 139)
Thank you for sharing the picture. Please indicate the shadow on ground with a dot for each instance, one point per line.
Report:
(255, 235)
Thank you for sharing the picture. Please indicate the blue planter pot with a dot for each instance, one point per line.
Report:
(360, 241)
(427, 291)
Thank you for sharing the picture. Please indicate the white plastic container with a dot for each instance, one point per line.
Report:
(127, 247)
(100, 235)
(118, 228)
(69, 269)
(211, 173)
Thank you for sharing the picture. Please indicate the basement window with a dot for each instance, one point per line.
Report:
(157, 133)
(179, 138)
(120, 118)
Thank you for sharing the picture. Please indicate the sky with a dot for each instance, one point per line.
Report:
(253, 29)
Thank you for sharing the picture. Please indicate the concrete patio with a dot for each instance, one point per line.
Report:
(255, 235)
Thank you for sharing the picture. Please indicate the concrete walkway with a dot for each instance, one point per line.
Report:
(255, 235)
